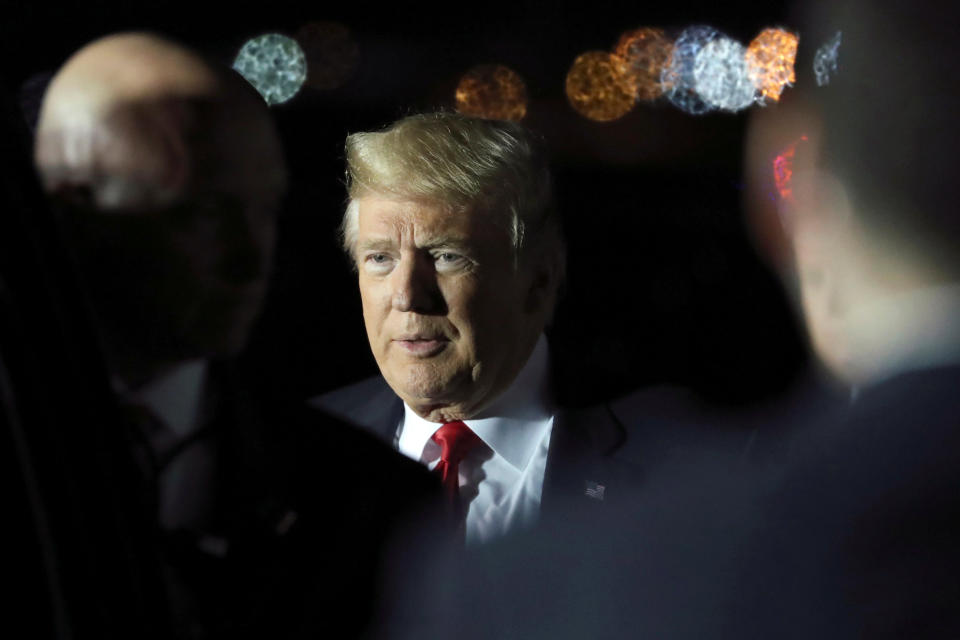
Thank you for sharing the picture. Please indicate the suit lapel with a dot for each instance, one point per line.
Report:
(369, 404)
(384, 423)
(580, 466)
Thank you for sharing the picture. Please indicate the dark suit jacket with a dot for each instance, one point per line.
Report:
(585, 468)
(302, 507)
(571, 577)
(852, 533)
(859, 537)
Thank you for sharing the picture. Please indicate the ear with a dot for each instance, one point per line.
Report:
(780, 143)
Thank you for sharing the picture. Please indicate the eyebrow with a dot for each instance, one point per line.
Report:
(436, 242)
(375, 245)
(433, 242)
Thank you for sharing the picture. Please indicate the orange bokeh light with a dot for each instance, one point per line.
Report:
(645, 52)
(770, 61)
(599, 86)
(332, 53)
(492, 91)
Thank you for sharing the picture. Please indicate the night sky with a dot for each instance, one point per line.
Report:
(665, 285)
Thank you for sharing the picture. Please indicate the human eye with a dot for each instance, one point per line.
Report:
(377, 262)
(447, 261)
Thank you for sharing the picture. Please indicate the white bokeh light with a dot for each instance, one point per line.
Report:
(679, 85)
(825, 60)
(274, 64)
(721, 77)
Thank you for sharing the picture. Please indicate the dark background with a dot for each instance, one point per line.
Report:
(664, 283)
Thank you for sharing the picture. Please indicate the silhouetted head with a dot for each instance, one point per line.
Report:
(170, 174)
(870, 217)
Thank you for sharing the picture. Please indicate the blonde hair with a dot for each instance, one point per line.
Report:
(460, 162)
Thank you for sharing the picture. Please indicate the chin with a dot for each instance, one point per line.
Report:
(425, 384)
(838, 364)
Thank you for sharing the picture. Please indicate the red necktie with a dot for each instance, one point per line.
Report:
(456, 440)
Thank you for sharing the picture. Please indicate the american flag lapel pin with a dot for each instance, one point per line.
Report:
(594, 490)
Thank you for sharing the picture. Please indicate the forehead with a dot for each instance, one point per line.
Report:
(149, 156)
(243, 180)
(424, 222)
(240, 157)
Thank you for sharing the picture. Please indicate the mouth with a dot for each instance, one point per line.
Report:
(422, 346)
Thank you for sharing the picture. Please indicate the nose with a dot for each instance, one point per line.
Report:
(415, 287)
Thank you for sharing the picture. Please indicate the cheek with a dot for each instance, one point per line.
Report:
(464, 304)
(486, 316)
(199, 252)
(375, 304)
(265, 239)
(810, 303)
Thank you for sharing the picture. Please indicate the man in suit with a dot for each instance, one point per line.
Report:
(862, 524)
(172, 218)
(168, 174)
(459, 255)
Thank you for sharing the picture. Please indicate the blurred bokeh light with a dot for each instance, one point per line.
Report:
(492, 91)
(720, 75)
(274, 64)
(770, 61)
(679, 84)
(646, 52)
(599, 86)
(332, 53)
(825, 60)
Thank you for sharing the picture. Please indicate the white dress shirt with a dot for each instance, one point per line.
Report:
(176, 400)
(503, 483)
(175, 396)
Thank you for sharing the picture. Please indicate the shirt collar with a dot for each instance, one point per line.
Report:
(174, 397)
(513, 425)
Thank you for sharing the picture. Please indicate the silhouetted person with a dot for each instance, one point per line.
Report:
(83, 561)
(174, 174)
(169, 175)
(860, 532)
